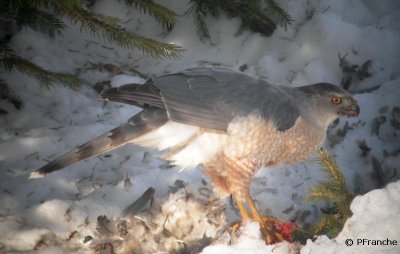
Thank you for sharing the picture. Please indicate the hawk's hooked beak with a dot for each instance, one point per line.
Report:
(353, 109)
(349, 108)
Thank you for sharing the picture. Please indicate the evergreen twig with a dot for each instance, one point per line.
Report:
(45, 16)
(40, 21)
(6, 93)
(200, 14)
(114, 33)
(333, 190)
(12, 62)
(251, 13)
(107, 26)
(163, 15)
(278, 14)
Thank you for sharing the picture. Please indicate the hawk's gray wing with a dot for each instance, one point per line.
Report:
(213, 97)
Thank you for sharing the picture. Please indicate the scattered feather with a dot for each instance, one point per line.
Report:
(364, 71)
(139, 204)
(362, 144)
(395, 121)
(105, 227)
(146, 157)
(376, 124)
(378, 173)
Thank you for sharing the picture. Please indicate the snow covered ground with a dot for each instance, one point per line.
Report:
(58, 213)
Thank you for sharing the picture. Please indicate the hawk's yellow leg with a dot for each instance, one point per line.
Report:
(269, 233)
(242, 209)
(237, 183)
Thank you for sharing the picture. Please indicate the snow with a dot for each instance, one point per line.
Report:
(41, 215)
(248, 243)
(374, 218)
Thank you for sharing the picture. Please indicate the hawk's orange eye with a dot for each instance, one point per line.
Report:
(336, 100)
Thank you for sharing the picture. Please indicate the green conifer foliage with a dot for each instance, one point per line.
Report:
(10, 61)
(256, 15)
(334, 191)
(46, 16)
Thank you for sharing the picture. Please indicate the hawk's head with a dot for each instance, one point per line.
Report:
(330, 102)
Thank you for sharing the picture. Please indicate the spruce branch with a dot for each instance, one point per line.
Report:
(45, 15)
(106, 26)
(252, 16)
(45, 77)
(6, 93)
(278, 14)
(111, 31)
(12, 62)
(200, 15)
(202, 29)
(334, 191)
(323, 193)
(330, 167)
(251, 13)
(164, 16)
(40, 21)
(5, 50)
(330, 225)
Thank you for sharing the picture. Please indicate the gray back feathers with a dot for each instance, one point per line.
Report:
(211, 98)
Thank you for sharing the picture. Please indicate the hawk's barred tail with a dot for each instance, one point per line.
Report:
(101, 144)
(142, 123)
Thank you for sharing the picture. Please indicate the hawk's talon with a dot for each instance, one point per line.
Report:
(270, 231)
(269, 226)
(235, 226)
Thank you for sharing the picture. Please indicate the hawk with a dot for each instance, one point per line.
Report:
(229, 123)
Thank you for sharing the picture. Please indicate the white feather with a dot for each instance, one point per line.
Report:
(201, 150)
(197, 150)
(167, 136)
